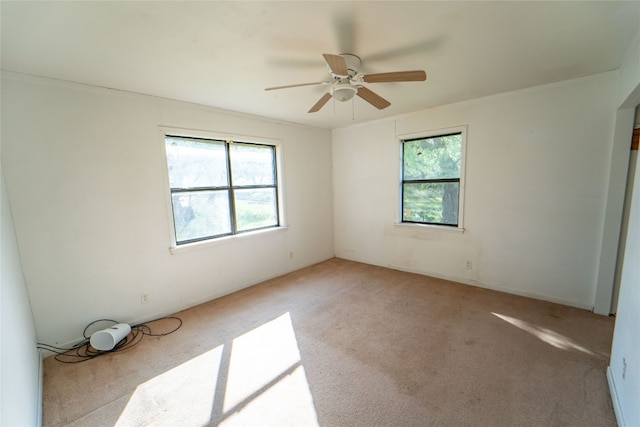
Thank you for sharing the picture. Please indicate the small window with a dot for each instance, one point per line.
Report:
(431, 179)
(220, 188)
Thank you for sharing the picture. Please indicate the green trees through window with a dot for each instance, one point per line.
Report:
(220, 188)
(431, 179)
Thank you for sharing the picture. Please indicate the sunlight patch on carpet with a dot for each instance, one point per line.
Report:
(257, 379)
(286, 403)
(181, 396)
(266, 383)
(546, 335)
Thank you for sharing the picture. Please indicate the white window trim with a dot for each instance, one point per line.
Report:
(174, 248)
(247, 235)
(427, 134)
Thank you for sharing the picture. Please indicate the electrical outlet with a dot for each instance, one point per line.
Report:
(469, 265)
(144, 298)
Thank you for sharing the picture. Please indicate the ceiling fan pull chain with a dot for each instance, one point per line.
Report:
(353, 109)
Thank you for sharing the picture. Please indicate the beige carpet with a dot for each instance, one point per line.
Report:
(348, 344)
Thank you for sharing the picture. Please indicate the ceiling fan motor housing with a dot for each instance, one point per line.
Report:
(344, 90)
(353, 64)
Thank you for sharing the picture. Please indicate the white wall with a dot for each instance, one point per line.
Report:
(85, 173)
(536, 183)
(20, 373)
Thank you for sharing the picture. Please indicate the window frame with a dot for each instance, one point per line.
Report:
(227, 140)
(462, 130)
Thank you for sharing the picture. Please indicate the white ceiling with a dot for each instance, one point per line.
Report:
(224, 54)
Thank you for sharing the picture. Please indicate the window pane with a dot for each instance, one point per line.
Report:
(252, 164)
(432, 202)
(196, 163)
(256, 208)
(432, 158)
(201, 214)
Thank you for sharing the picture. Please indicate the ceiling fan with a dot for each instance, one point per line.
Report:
(347, 82)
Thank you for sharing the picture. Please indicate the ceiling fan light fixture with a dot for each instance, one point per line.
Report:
(343, 92)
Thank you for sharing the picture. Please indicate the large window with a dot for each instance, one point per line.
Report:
(431, 179)
(220, 188)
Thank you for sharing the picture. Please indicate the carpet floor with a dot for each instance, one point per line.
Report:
(342, 343)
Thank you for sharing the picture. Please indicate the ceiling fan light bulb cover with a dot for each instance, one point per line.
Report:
(344, 93)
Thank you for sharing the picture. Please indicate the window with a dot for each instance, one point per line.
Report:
(431, 179)
(220, 188)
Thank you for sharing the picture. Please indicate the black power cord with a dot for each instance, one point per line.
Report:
(83, 351)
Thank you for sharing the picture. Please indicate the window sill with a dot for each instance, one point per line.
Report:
(429, 227)
(189, 247)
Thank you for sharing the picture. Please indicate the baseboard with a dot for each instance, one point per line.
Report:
(211, 297)
(237, 288)
(492, 287)
(614, 397)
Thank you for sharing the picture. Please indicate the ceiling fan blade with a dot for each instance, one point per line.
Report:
(296, 85)
(373, 98)
(318, 105)
(396, 76)
(337, 64)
